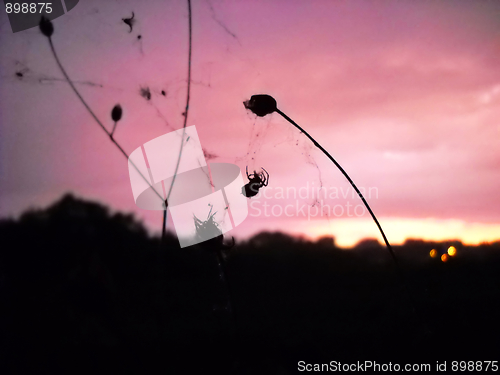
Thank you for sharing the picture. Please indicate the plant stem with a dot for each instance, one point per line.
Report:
(222, 269)
(95, 117)
(159, 312)
(164, 227)
(389, 247)
(186, 111)
(114, 127)
(348, 179)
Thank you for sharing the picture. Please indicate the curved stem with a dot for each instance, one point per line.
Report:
(95, 117)
(348, 179)
(389, 247)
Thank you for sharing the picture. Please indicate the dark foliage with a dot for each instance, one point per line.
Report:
(86, 291)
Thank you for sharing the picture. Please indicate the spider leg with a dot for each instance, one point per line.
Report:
(266, 179)
(197, 223)
(252, 175)
(267, 173)
(211, 217)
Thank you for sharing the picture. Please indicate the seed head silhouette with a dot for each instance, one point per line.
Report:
(261, 104)
(145, 93)
(46, 27)
(130, 22)
(116, 113)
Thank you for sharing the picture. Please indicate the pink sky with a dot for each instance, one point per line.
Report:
(404, 94)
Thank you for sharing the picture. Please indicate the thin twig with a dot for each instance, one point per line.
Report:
(114, 127)
(186, 111)
(95, 117)
(389, 247)
(223, 274)
(164, 227)
(110, 134)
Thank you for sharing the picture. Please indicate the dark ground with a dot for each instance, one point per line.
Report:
(85, 291)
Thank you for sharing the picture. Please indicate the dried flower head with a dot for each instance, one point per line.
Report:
(116, 113)
(261, 104)
(46, 27)
(145, 93)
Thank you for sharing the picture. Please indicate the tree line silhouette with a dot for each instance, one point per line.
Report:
(88, 290)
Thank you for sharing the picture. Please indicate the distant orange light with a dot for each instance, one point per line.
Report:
(433, 253)
(452, 251)
(444, 257)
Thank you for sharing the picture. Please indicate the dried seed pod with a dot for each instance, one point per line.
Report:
(145, 93)
(261, 104)
(116, 113)
(46, 27)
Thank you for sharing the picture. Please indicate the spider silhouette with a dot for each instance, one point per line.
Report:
(256, 181)
(208, 233)
(130, 22)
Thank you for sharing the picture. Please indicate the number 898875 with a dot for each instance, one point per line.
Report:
(28, 8)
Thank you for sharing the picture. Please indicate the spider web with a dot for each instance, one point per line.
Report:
(152, 95)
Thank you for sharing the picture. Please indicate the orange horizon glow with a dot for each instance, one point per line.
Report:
(348, 232)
